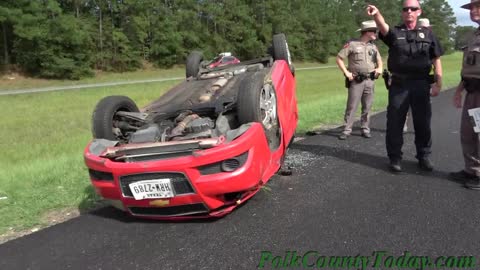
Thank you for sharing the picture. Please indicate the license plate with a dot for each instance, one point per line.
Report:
(152, 189)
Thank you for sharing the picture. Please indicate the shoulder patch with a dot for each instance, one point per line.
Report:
(346, 45)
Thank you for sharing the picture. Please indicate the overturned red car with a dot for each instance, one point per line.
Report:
(201, 149)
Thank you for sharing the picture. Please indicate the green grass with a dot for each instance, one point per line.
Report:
(15, 81)
(44, 135)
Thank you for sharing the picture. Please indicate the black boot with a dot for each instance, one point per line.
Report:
(395, 166)
(425, 164)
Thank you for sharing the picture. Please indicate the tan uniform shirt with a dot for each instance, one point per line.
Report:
(471, 58)
(362, 57)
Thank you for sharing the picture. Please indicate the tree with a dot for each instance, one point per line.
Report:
(9, 11)
(443, 20)
(51, 44)
(462, 35)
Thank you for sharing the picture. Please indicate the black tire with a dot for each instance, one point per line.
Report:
(193, 63)
(251, 94)
(281, 51)
(104, 115)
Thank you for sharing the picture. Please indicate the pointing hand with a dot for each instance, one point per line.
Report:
(372, 10)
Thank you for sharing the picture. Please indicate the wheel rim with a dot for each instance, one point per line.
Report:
(268, 106)
(289, 58)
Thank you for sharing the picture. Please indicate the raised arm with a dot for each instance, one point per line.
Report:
(379, 20)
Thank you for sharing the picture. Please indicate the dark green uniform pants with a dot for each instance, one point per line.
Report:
(469, 139)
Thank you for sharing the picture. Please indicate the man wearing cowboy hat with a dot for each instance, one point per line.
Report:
(412, 51)
(424, 22)
(364, 66)
(470, 82)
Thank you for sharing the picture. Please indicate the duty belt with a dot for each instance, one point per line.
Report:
(471, 84)
(412, 76)
(409, 76)
(360, 77)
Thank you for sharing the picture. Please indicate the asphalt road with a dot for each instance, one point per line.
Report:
(341, 201)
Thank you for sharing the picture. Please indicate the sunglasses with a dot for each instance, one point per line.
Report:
(407, 9)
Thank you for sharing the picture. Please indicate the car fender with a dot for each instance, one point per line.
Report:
(285, 88)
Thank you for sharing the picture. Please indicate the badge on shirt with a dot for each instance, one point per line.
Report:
(421, 35)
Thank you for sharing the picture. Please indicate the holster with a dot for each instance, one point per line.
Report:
(387, 78)
(347, 83)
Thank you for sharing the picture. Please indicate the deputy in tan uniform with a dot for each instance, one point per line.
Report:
(364, 66)
(470, 175)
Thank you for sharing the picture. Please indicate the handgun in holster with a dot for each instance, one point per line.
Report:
(387, 78)
(347, 83)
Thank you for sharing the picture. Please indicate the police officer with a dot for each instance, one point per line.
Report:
(412, 51)
(424, 23)
(364, 66)
(471, 83)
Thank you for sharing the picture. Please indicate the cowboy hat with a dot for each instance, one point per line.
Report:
(367, 25)
(469, 5)
(424, 22)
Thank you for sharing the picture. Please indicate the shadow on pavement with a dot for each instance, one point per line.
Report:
(370, 160)
(337, 131)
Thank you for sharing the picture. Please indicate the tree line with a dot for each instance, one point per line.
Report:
(72, 38)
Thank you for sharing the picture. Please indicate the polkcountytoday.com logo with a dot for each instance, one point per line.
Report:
(378, 259)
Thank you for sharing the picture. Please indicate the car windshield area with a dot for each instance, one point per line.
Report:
(216, 59)
(227, 59)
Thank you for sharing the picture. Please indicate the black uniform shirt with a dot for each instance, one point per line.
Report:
(411, 51)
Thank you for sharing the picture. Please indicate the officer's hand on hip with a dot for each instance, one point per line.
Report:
(378, 72)
(349, 75)
(435, 90)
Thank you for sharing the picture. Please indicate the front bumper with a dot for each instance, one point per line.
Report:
(200, 189)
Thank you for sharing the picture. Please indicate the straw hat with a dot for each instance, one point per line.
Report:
(424, 22)
(367, 25)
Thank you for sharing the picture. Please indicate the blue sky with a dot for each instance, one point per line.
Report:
(462, 15)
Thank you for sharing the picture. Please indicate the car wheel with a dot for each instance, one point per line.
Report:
(257, 102)
(104, 116)
(281, 51)
(193, 63)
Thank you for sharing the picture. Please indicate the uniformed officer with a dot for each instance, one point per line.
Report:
(471, 83)
(364, 66)
(412, 51)
(425, 23)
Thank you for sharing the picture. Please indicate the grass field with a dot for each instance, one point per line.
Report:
(43, 135)
(16, 81)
